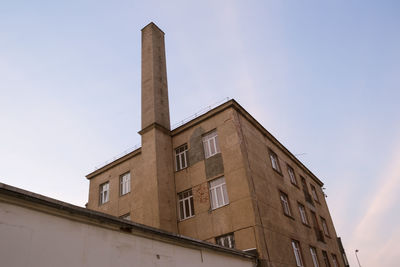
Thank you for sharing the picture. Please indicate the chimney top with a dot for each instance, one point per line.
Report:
(152, 24)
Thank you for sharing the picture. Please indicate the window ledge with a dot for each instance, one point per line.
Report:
(278, 172)
(182, 220)
(211, 209)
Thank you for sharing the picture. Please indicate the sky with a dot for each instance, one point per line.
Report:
(321, 76)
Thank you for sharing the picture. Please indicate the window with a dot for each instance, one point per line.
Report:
(291, 175)
(314, 193)
(181, 157)
(285, 204)
(274, 161)
(314, 256)
(226, 240)
(303, 214)
(326, 260)
(335, 261)
(185, 202)
(126, 217)
(210, 143)
(218, 193)
(324, 226)
(104, 192)
(125, 183)
(297, 253)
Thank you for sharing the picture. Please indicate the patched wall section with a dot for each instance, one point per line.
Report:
(214, 166)
(196, 152)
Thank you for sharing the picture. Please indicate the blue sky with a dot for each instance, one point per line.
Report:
(321, 76)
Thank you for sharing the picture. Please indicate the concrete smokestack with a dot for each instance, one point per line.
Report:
(155, 107)
(159, 210)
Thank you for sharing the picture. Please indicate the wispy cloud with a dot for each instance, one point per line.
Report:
(377, 234)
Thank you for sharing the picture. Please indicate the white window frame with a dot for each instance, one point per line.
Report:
(185, 204)
(104, 192)
(274, 161)
(285, 204)
(218, 193)
(181, 161)
(210, 144)
(303, 214)
(292, 175)
(324, 226)
(314, 192)
(125, 184)
(227, 240)
(314, 256)
(297, 253)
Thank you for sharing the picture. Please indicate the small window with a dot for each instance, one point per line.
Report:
(292, 176)
(181, 157)
(274, 161)
(104, 192)
(210, 143)
(125, 184)
(297, 253)
(303, 214)
(335, 261)
(314, 193)
(324, 226)
(326, 260)
(285, 204)
(314, 256)
(126, 217)
(185, 203)
(226, 240)
(218, 193)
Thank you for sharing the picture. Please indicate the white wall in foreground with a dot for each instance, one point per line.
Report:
(36, 239)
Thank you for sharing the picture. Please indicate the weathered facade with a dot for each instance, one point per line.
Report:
(221, 177)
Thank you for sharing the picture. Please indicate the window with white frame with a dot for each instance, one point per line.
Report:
(335, 261)
(274, 161)
(314, 193)
(210, 144)
(325, 226)
(185, 203)
(285, 204)
(104, 192)
(303, 214)
(181, 157)
(125, 183)
(226, 240)
(126, 217)
(314, 256)
(218, 193)
(292, 176)
(297, 253)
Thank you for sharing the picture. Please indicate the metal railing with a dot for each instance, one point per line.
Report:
(199, 113)
(120, 155)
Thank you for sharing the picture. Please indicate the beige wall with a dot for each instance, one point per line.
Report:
(279, 229)
(237, 216)
(30, 237)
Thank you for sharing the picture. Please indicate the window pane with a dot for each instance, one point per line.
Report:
(219, 196)
(191, 207)
(187, 212)
(212, 147)
(181, 210)
(225, 192)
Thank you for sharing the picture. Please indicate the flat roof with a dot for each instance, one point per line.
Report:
(102, 218)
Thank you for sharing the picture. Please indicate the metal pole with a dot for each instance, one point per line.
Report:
(359, 265)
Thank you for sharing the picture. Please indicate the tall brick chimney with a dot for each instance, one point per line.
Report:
(158, 175)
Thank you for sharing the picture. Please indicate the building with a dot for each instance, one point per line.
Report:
(221, 177)
(38, 231)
